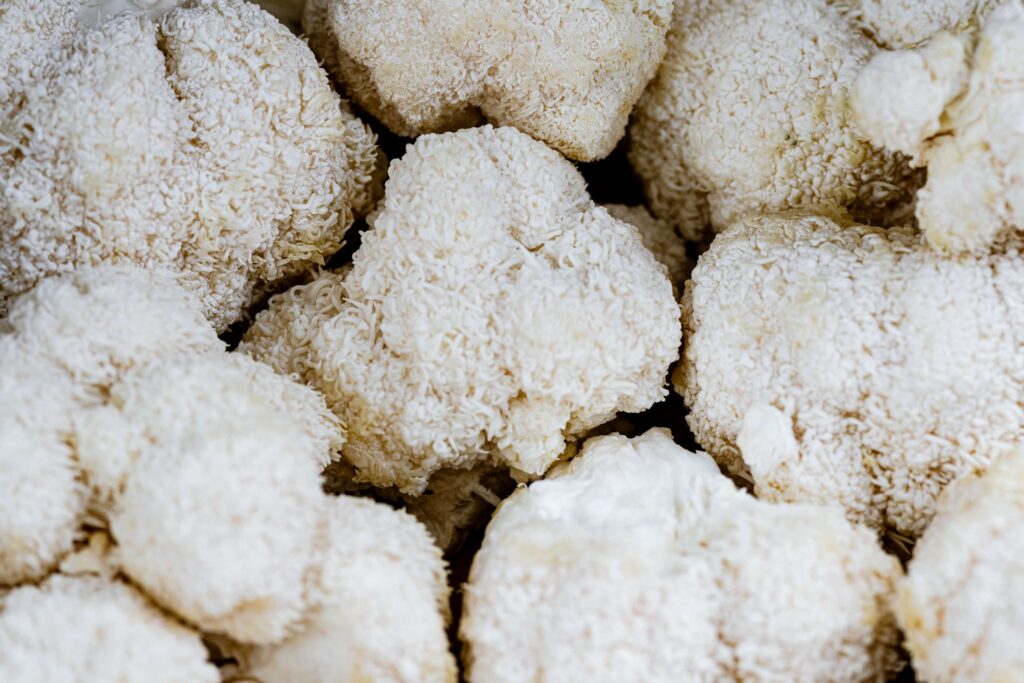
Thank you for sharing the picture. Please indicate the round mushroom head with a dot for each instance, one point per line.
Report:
(639, 561)
(207, 141)
(61, 347)
(748, 113)
(567, 73)
(492, 312)
(159, 402)
(218, 523)
(852, 364)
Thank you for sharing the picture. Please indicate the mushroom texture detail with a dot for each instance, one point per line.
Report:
(167, 398)
(639, 561)
(96, 324)
(62, 346)
(491, 313)
(458, 501)
(566, 72)
(749, 113)
(41, 499)
(89, 629)
(660, 238)
(123, 413)
(237, 508)
(955, 104)
(195, 474)
(960, 604)
(840, 363)
(382, 608)
(217, 437)
(200, 136)
(900, 24)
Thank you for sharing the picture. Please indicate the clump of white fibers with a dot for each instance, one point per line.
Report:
(493, 312)
(199, 136)
(382, 609)
(236, 503)
(962, 603)
(88, 629)
(61, 347)
(639, 561)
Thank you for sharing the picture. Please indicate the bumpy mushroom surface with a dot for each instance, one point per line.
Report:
(955, 104)
(491, 313)
(639, 561)
(196, 394)
(962, 602)
(850, 364)
(62, 346)
(382, 610)
(907, 23)
(200, 136)
(88, 629)
(749, 112)
(237, 510)
(660, 238)
(566, 72)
